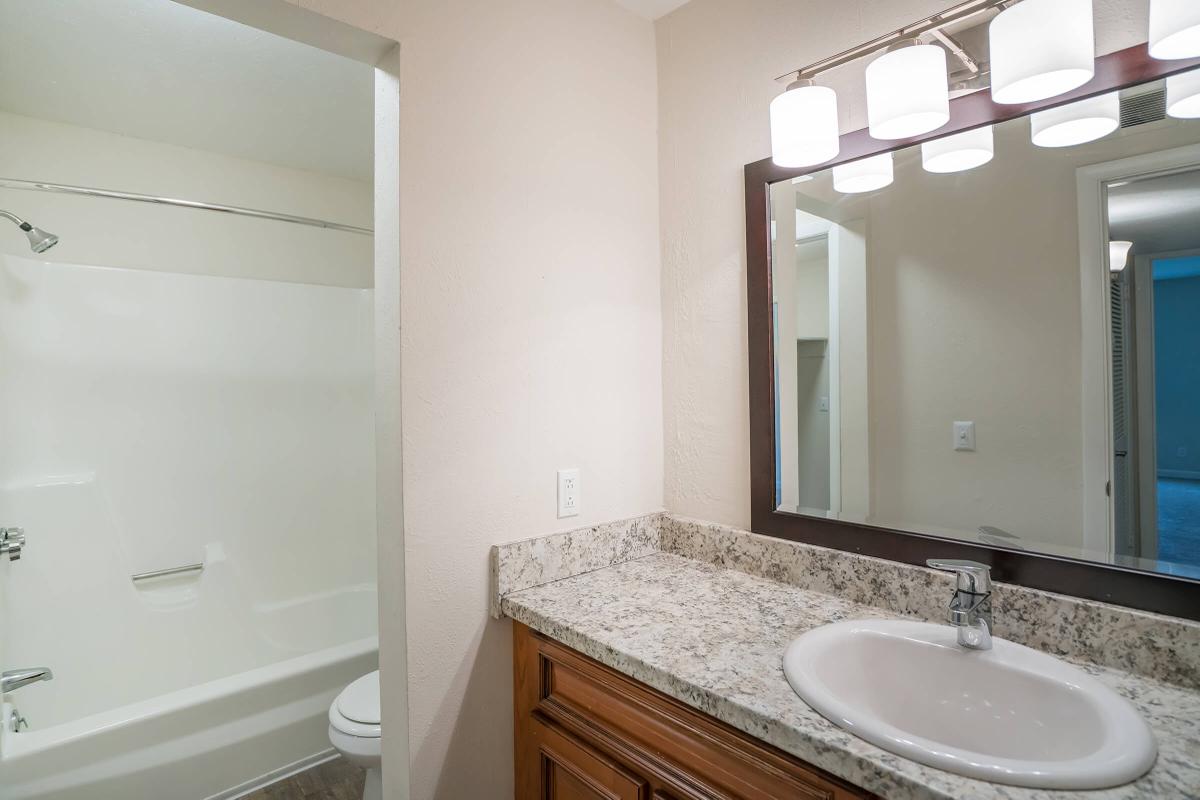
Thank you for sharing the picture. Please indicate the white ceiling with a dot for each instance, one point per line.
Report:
(158, 70)
(1157, 214)
(652, 9)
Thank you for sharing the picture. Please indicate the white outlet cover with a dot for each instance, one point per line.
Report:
(568, 493)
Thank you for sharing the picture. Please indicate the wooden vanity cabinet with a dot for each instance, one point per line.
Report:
(586, 732)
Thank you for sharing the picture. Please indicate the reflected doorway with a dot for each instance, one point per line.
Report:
(1155, 389)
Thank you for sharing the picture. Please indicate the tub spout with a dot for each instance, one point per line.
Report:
(15, 679)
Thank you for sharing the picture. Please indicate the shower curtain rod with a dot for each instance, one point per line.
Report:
(62, 188)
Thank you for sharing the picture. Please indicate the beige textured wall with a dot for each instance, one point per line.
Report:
(531, 325)
(716, 59)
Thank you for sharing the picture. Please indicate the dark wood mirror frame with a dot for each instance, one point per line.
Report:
(1150, 591)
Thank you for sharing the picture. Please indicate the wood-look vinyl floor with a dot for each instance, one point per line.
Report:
(333, 780)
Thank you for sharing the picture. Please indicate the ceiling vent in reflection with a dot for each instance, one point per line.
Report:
(1144, 107)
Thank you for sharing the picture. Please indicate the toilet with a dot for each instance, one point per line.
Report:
(354, 730)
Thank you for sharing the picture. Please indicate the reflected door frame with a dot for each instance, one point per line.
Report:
(1145, 441)
(1147, 428)
(850, 466)
(1099, 513)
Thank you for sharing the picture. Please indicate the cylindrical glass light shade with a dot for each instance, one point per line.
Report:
(1183, 95)
(1041, 49)
(1174, 29)
(866, 175)
(1118, 255)
(908, 92)
(804, 126)
(1083, 121)
(959, 152)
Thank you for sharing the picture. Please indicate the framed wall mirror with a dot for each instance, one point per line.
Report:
(985, 343)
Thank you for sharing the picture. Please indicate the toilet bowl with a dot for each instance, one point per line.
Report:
(354, 730)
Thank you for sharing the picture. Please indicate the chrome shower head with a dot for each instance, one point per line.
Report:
(39, 240)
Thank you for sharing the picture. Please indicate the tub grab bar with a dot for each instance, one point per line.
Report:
(162, 573)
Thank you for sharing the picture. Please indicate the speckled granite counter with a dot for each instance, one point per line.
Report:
(713, 638)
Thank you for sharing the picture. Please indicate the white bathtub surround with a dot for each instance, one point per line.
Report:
(151, 420)
(714, 638)
(97, 231)
(1138, 642)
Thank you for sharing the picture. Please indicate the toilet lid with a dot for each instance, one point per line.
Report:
(359, 702)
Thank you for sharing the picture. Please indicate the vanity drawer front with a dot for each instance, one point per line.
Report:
(570, 770)
(680, 752)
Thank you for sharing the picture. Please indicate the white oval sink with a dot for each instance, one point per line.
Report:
(1009, 715)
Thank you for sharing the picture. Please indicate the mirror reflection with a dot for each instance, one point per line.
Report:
(998, 341)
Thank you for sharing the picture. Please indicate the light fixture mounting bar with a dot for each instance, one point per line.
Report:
(957, 50)
(931, 23)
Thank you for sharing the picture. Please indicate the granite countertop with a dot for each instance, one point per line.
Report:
(714, 638)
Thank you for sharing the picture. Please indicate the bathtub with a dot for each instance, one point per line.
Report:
(153, 420)
(218, 740)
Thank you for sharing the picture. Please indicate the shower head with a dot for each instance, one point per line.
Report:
(39, 240)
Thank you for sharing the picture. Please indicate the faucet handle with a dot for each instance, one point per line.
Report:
(973, 577)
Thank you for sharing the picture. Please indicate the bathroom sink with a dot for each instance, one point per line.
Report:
(1009, 715)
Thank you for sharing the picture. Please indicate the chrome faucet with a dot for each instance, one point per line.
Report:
(970, 610)
(15, 679)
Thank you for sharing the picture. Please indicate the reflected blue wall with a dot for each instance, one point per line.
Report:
(1177, 369)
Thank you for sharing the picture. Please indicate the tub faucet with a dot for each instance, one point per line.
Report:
(15, 679)
(970, 609)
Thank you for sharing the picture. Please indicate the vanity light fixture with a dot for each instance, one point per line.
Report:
(960, 152)
(1041, 49)
(1118, 255)
(1077, 123)
(908, 91)
(1183, 95)
(864, 175)
(804, 125)
(1174, 29)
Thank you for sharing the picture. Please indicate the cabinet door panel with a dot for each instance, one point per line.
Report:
(571, 771)
(586, 732)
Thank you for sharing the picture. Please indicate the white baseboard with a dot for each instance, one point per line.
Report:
(275, 775)
(1184, 474)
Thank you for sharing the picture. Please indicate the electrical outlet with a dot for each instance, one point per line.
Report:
(568, 493)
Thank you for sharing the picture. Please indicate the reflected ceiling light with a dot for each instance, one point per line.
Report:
(1118, 255)
(804, 125)
(866, 175)
(1183, 95)
(959, 152)
(1079, 122)
(1041, 49)
(1174, 29)
(908, 91)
